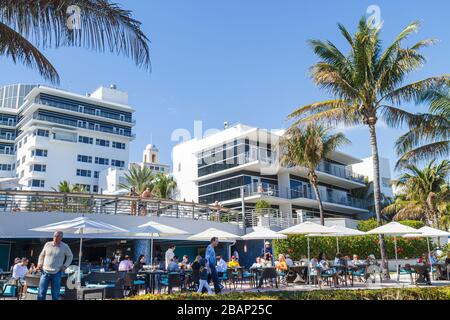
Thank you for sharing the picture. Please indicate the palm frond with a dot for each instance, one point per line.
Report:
(19, 49)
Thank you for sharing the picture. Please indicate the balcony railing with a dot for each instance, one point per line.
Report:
(340, 171)
(91, 204)
(327, 195)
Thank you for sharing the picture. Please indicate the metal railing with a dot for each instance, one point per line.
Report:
(92, 204)
(340, 171)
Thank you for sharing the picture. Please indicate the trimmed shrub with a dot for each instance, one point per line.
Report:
(439, 293)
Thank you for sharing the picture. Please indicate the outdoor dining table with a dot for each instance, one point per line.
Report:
(151, 279)
(5, 275)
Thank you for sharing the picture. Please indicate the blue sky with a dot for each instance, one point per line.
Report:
(235, 61)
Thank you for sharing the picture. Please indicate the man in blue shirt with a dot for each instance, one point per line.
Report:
(210, 257)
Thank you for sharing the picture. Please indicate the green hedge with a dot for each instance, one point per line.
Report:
(296, 246)
(439, 293)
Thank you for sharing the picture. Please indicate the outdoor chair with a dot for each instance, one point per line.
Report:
(245, 277)
(131, 284)
(269, 274)
(282, 277)
(360, 273)
(406, 270)
(231, 277)
(10, 289)
(194, 280)
(33, 287)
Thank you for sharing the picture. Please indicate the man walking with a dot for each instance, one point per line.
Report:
(53, 261)
(210, 257)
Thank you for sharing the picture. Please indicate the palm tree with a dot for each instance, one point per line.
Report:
(429, 134)
(139, 177)
(367, 84)
(100, 26)
(66, 187)
(424, 193)
(164, 185)
(308, 147)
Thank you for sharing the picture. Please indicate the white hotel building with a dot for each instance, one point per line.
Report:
(50, 135)
(245, 159)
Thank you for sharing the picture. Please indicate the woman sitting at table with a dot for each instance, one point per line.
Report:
(326, 269)
(233, 263)
(138, 266)
(356, 261)
(425, 263)
(281, 265)
(267, 261)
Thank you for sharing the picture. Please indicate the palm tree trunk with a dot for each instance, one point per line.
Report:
(316, 191)
(377, 194)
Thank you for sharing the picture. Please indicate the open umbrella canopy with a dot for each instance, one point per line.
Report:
(428, 232)
(306, 228)
(260, 233)
(212, 232)
(155, 229)
(394, 229)
(340, 231)
(81, 225)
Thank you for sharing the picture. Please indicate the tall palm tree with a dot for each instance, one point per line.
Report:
(367, 84)
(424, 193)
(164, 185)
(429, 134)
(308, 147)
(139, 177)
(100, 25)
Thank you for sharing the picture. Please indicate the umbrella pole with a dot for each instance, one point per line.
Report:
(151, 250)
(429, 254)
(80, 253)
(396, 259)
(337, 245)
(308, 262)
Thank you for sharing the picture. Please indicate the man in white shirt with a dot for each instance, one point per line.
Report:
(126, 264)
(221, 266)
(170, 254)
(20, 270)
(289, 261)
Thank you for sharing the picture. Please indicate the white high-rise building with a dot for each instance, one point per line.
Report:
(366, 168)
(245, 159)
(50, 135)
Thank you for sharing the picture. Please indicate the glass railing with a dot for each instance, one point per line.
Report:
(266, 189)
(340, 171)
(79, 125)
(72, 108)
(8, 137)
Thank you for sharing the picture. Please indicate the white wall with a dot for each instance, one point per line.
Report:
(185, 171)
(366, 168)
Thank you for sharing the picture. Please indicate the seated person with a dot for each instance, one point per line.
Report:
(221, 266)
(356, 261)
(173, 265)
(113, 265)
(20, 270)
(325, 267)
(282, 266)
(257, 264)
(126, 264)
(196, 264)
(425, 263)
(340, 261)
(289, 261)
(139, 265)
(185, 261)
(267, 261)
(233, 263)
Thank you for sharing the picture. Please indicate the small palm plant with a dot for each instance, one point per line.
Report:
(139, 177)
(164, 186)
(308, 147)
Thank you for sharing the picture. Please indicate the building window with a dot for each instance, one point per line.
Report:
(36, 183)
(39, 153)
(18, 163)
(101, 142)
(85, 140)
(95, 189)
(20, 144)
(5, 167)
(102, 161)
(24, 158)
(118, 145)
(96, 174)
(118, 163)
(85, 159)
(84, 173)
(42, 133)
(25, 140)
(38, 168)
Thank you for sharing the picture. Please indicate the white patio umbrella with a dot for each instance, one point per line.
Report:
(81, 226)
(340, 232)
(394, 229)
(307, 228)
(260, 233)
(428, 232)
(155, 230)
(212, 232)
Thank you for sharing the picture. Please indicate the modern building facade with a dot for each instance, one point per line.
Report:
(49, 135)
(240, 166)
(365, 167)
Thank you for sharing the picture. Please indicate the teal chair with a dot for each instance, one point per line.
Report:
(406, 270)
(9, 290)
